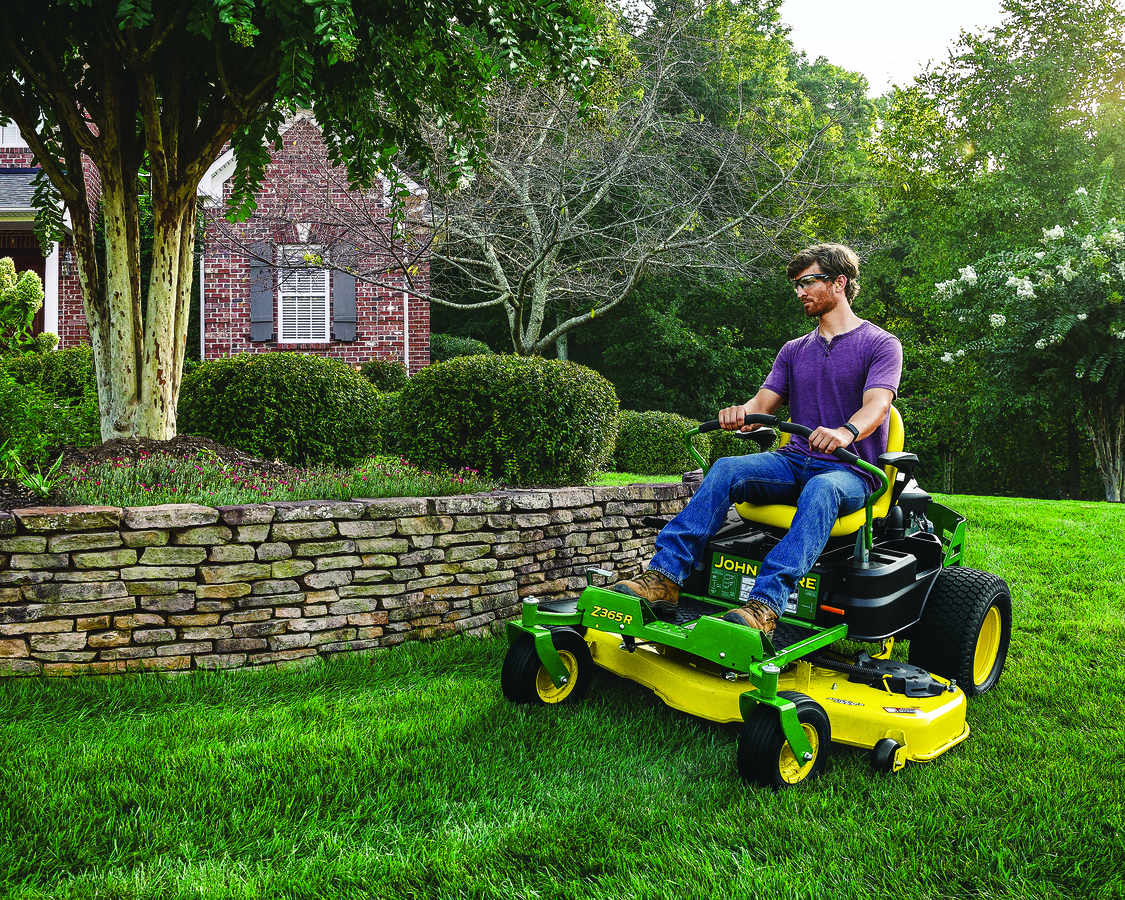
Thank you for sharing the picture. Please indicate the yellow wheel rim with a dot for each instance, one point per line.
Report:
(793, 770)
(546, 689)
(988, 646)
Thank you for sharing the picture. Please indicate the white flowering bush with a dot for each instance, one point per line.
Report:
(1053, 314)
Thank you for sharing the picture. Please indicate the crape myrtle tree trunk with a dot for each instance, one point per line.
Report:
(1105, 423)
(107, 92)
(576, 196)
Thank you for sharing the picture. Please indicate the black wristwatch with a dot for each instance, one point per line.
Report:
(852, 429)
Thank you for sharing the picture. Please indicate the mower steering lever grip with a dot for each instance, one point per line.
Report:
(792, 427)
(751, 419)
(840, 453)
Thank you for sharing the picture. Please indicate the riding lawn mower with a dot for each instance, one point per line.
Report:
(891, 571)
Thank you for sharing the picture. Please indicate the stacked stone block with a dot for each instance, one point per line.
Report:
(98, 590)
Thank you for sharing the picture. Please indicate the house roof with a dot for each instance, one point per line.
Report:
(16, 189)
(211, 185)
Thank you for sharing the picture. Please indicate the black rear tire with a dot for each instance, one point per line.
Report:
(965, 629)
(764, 755)
(523, 679)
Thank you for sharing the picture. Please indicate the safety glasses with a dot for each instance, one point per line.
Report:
(806, 281)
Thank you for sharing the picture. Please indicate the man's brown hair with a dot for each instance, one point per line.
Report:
(834, 260)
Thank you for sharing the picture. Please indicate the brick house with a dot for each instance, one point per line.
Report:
(283, 280)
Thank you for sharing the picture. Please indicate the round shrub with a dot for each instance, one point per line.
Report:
(652, 443)
(301, 409)
(518, 420)
(726, 443)
(385, 374)
(448, 346)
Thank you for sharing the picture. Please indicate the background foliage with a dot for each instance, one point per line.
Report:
(966, 167)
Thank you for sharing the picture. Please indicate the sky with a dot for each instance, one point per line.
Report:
(889, 41)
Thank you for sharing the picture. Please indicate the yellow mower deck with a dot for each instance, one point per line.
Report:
(860, 715)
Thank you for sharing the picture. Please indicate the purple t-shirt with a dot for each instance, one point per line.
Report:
(823, 382)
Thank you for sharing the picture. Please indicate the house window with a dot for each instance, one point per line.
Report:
(302, 296)
(10, 136)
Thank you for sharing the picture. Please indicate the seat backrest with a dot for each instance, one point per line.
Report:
(782, 516)
(896, 438)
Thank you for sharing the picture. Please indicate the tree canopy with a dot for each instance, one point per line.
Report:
(107, 93)
(975, 159)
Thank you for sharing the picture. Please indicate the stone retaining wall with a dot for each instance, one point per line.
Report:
(97, 590)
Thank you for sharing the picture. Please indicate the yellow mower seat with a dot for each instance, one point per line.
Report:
(780, 515)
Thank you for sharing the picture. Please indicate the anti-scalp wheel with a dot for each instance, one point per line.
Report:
(883, 755)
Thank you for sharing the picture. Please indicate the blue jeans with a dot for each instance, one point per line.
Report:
(820, 489)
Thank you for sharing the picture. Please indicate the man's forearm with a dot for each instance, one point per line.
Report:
(876, 405)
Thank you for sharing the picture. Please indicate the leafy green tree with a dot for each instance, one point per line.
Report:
(100, 88)
(1054, 316)
(689, 348)
(976, 158)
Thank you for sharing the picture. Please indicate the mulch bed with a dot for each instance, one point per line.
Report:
(184, 446)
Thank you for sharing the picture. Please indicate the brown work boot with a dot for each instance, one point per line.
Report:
(754, 614)
(661, 593)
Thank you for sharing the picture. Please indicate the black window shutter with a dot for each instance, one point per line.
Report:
(343, 306)
(261, 294)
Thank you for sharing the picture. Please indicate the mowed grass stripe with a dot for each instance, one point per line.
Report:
(408, 775)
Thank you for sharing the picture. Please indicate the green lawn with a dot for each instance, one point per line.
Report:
(407, 775)
(618, 478)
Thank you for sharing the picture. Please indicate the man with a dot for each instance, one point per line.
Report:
(839, 380)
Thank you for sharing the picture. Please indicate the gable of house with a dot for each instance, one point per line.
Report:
(286, 278)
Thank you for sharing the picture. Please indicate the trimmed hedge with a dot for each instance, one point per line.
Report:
(67, 375)
(391, 428)
(385, 374)
(652, 443)
(725, 443)
(305, 410)
(518, 420)
(448, 346)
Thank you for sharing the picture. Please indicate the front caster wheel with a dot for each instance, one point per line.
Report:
(524, 679)
(764, 755)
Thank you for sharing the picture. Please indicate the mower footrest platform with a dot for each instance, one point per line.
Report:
(690, 609)
(564, 606)
(787, 635)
